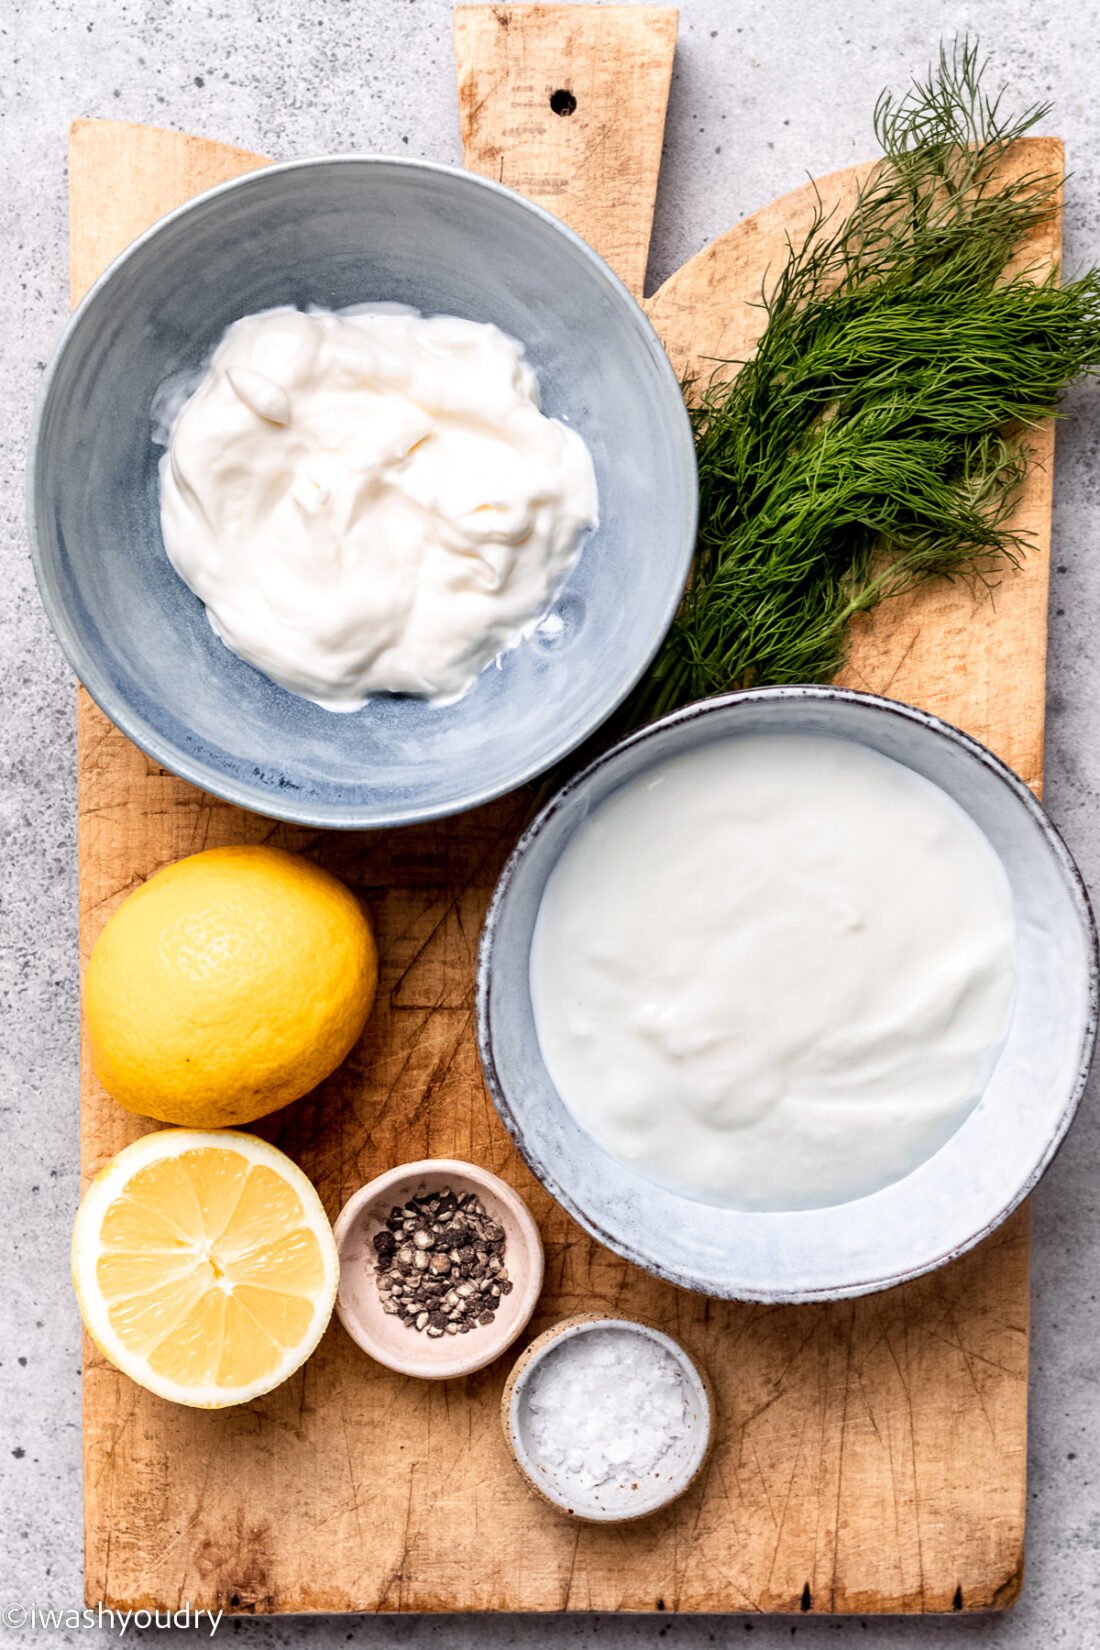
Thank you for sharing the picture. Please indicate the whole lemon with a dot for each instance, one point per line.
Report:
(227, 985)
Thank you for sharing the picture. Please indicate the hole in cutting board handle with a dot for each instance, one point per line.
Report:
(563, 102)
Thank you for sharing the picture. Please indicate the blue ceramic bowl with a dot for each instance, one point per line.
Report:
(332, 233)
(948, 1203)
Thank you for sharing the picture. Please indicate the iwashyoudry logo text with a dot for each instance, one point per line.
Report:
(45, 1618)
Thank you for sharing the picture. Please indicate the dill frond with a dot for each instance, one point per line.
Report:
(872, 442)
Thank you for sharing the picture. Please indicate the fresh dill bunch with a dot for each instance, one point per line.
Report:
(872, 440)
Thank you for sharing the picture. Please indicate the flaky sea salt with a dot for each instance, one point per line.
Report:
(605, 1407)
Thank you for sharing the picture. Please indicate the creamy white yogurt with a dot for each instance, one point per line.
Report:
(372, 501)
(775, 972)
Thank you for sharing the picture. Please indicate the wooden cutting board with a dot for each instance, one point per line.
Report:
(871, 1454)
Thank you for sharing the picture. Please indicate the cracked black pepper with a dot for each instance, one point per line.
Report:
(439, 1263)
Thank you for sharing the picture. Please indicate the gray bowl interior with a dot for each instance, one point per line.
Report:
(949, 1202)
(334, 233)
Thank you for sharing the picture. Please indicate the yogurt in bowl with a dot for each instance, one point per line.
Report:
(774, 972)
(877, 1120)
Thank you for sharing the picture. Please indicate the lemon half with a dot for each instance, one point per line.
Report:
(204, 1265)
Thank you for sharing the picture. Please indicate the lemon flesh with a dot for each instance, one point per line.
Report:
(204, 1265)
(229, 984)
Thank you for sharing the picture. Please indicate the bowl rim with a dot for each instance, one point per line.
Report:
(571, 1328)
(685, 715)
(180, 761)
(492, 1345)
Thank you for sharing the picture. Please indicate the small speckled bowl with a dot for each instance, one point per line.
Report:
(609, 1504)
(359, 1305)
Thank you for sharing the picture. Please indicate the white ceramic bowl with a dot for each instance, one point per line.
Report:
(607, 1504)
(359, 1304)
(947, 1204)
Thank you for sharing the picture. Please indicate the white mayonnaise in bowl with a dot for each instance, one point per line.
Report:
(153, 591)
(811, 1026)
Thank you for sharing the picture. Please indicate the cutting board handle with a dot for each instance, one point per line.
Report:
(566, 104)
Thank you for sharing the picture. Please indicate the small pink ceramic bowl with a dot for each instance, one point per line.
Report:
(359, 1305)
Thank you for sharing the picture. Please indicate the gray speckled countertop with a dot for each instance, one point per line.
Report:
(761, 96)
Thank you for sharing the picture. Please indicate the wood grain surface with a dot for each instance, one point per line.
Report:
(595, 163)
(871, 1455)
